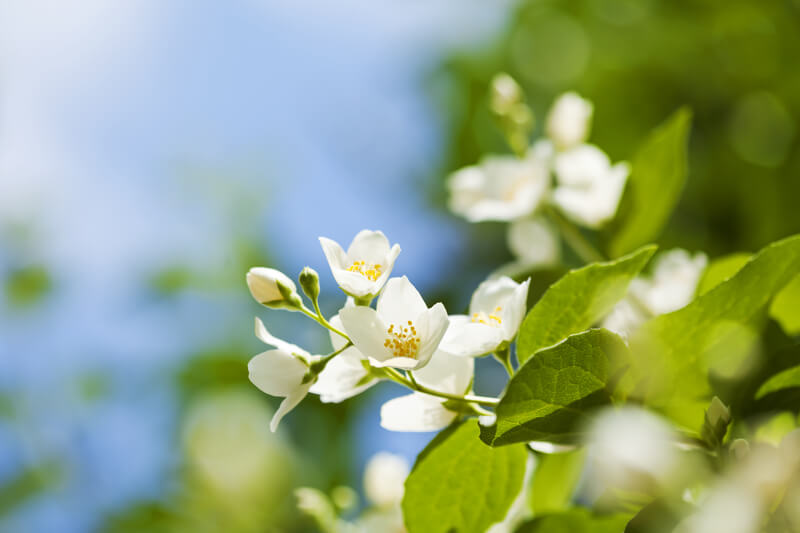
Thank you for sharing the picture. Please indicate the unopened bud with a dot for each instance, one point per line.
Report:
(505, 94)
(739, 449)
(272, 287)
(309, 282)
(718, 413)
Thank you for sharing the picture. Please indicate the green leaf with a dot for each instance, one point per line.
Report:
(782, 380)
(675, 352)
(575, 521)
(721, 269)
(785, 308)
(555, 479)
(460, 484)
(577, 301)
(549, 396)
(658, 174)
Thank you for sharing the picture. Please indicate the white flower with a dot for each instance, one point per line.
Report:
(629, 449)
(672, 286)
(569, 120)
(496, 312)
(534, 242)
(263, 284)
(422, 412)
(345, 375)
(280, 372)
(499, 188)
(589, 188)
(384, 478)
(402, 332)
(363, 270)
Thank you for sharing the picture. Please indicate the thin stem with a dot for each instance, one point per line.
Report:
(399, 378)
(575, 239)
(321, 320)
(319, 366)
(503, 355)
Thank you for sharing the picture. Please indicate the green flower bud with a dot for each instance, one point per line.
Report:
(309, 282)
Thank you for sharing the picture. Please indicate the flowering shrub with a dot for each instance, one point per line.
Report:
(639, 398)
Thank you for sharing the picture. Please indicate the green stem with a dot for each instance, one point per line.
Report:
(321, 320)
(320, 365)
(575, 239)
(503, 355)
(394, 375)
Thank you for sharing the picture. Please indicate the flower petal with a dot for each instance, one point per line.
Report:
(400, 301)
(333, 253)
(465, 338)
(355, 284)
(367, 331)
(515, 309)
(431, 324)
(343, 377)
(276, 372)
(288, 403)
(415, 412)
(447, 373)
(534, 241)
(369, 246)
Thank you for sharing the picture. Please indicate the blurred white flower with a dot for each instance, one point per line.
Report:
(499, 188)
(534, 242)
(630, 449)
(384, 479)
(496, 312)
(280, 372)
(422, 412)
(569, 120)
(671, 286)
(402, 332)
(588, 188)
(364, 269)
(263, 284)
(346, 375)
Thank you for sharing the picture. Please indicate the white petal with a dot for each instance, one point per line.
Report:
(415, 412)
(569, 120)
(355, 284)
(269, 339)
(515, 308)
(333, 253)
(288, 403)
(491, 294)
(399, 302)
(263, 284)
(447, 373)
(534, 241)
(465, 338)
(431, 326)
(337, 341)
(276, 372)
(341, 376)
(367, 331)
(581, 166)
(369, 246)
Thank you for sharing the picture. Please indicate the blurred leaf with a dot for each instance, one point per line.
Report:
(555, 479)
(460, 484)
(28, 285)
(575, 521)
(658, 516)
(171, 280)
(783, 380)
(658, 174)
(785, 308)
(26, 485)
(549, 396)
(577, 301)
(672, 359)
(776, 427)
(721, 269)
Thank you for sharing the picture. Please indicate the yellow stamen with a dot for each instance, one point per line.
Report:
(401, 341)
(491, 319)
(371, 271)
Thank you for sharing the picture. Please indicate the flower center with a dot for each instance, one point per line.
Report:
(402, 340)
(491, 319)
(371, 271)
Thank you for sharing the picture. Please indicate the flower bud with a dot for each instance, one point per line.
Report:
(505, 94)
(569, 120)
(272, 288)
(309, 282)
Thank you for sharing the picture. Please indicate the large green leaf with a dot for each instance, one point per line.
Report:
(674, 353)
(658, 174)
(550, 395)
(785, 309)
(577, 301)
(575, 521)
(460, 484)
(787, 379)
(721, 269)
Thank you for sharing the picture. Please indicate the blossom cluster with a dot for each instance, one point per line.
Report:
(399, 339)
